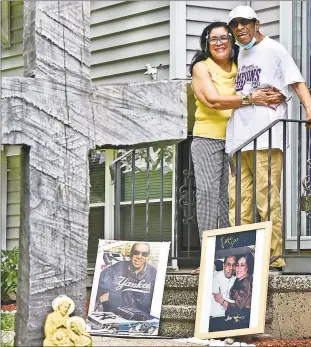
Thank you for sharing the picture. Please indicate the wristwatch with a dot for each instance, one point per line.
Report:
(245, 100)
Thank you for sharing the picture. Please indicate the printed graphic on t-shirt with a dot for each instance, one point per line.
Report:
(247, 75)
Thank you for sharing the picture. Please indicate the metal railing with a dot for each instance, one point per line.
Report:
(116, 174)
(184, 237)
(296, 171)
(179, 207)
(186, 227)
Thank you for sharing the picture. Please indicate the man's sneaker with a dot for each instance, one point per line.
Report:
(273, 271)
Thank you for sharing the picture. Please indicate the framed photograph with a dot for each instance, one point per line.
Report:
(233, 281)
(128, 285)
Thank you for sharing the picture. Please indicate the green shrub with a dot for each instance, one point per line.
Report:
(9, 273)
(7, 321)
(7, 329)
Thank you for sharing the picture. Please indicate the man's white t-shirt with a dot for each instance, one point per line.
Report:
(225, 284)
(267, 64)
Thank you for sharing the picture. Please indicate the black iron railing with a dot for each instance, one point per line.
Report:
(168, 202)
(295, 167)
(184, 237)
(149, 196)
(186, 228)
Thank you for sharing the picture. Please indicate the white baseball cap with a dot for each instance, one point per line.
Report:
(242, 12)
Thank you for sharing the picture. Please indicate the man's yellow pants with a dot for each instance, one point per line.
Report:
(261, 195)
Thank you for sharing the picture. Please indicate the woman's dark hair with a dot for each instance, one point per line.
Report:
(204, 52)
(249, 262)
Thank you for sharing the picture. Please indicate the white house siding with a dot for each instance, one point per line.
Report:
(201, 13)
(12, 63)
(126, 35)
(268, 13)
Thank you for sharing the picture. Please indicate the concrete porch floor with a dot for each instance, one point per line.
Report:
(118, 342)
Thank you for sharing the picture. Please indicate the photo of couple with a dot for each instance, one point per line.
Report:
(232, 281)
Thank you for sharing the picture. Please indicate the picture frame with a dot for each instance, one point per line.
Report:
(233, 281)
(128, 286)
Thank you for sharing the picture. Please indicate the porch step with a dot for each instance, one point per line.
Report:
(181, 312)
(287, 313)
(181, 290)
(179, 320)
(188, 313)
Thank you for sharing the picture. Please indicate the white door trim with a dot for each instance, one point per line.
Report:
(109, 196)
(178, 60)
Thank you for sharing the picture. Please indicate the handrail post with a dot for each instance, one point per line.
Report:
(284, 190)
(117, 221)
(255, 182)
(238, 189)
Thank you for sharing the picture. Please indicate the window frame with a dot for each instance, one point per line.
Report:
(109, 204)
(3, 197)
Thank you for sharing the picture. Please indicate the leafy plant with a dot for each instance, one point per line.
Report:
(7, 321)
(7, 329)
(9, 273)
(7, 339)
(141, 158)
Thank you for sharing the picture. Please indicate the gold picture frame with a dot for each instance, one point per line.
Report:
(238, 306)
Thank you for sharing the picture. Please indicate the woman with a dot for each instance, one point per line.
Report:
(239, 307)
(213, 72)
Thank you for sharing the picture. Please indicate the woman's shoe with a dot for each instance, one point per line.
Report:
(195, 272)
(275, 270)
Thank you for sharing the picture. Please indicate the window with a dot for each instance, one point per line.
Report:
(5, 23)
(148, 180)
(143, 182)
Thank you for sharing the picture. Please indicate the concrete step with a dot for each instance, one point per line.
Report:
(159, 342)
(173, 312)
(122, 342)
(287, 313)
(179, 321)
(188, 313)
(182, 290)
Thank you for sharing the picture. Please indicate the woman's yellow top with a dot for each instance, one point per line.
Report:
(210, 122)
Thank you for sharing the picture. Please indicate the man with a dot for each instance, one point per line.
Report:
(264, 63)
(128, 283)
(222, 283)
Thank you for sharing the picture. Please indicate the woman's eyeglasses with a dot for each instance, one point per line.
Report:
(243, 21)
(144, 254)
(222, 39)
